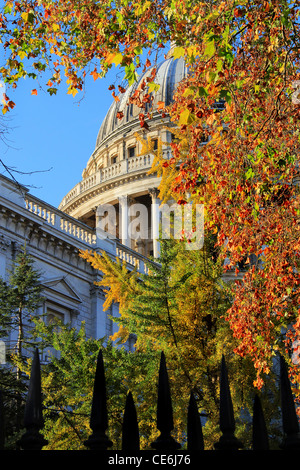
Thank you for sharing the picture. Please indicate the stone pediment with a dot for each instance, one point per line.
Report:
(61, 287)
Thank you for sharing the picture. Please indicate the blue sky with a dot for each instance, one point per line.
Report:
(56, 133)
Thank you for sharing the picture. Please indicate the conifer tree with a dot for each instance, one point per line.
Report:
(19, 299)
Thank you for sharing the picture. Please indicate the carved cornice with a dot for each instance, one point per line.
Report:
(104, 187)
(5, 243)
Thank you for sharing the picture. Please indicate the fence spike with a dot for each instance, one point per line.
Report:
(194, 428)
(164, 442)
(130, 430)
(227, 441)
(98, 420)
(260, 439)
(290, 422)
(33, 416)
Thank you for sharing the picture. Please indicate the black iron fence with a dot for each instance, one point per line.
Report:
(32, 438)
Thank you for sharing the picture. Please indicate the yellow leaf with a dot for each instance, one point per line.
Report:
(72, 91)
(22, 54)
(114, 58)
(153, 86)
(24, 16)
(178, 52)
(186, 117)
(55, 27)
(141, 8)
(188, 92)
(192, 51)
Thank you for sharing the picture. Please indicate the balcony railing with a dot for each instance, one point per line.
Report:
(75, 229)
(103, 175)
(61, 221)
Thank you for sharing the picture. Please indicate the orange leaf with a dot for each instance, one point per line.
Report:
(115, 97)
(211, 119)
(34, 92)
(95, 74)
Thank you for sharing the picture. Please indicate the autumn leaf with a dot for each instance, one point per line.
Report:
(178, 52)
(34, 92)
(95, 75)
(210, 119)
(22, 54)
(72, 91)
(114, 58)
(116, 98)
(186, 117)
(210, 48)
(160, 105)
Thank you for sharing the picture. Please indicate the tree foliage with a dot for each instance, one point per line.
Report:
(67, 386)
(179, 307)
(19, 299)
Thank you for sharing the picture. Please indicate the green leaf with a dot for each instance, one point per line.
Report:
(210, 49)
(249, 173)
(225, 94)
(153, 86)
(188, 92)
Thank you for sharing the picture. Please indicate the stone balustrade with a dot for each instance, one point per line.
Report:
(131, 257)
(61, 221)
(130, 165)
(79, 231)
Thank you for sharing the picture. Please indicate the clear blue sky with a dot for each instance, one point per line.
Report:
(56, 133)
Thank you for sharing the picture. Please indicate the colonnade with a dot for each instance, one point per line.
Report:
(127, 208)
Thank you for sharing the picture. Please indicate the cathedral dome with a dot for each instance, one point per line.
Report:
(118, 168)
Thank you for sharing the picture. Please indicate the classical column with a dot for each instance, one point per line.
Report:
(155, 218)
(123, 200)
(97, 298)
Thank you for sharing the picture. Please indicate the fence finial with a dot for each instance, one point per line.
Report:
(259, 431)
(130, 431)
(194, 428)
(164, 412)
(98, 421)
(227, 441)
(33, 416)
(290, 422)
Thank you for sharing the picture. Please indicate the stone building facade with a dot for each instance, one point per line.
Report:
(116, 174)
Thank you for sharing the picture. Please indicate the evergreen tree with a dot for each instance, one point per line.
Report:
(19, 299)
